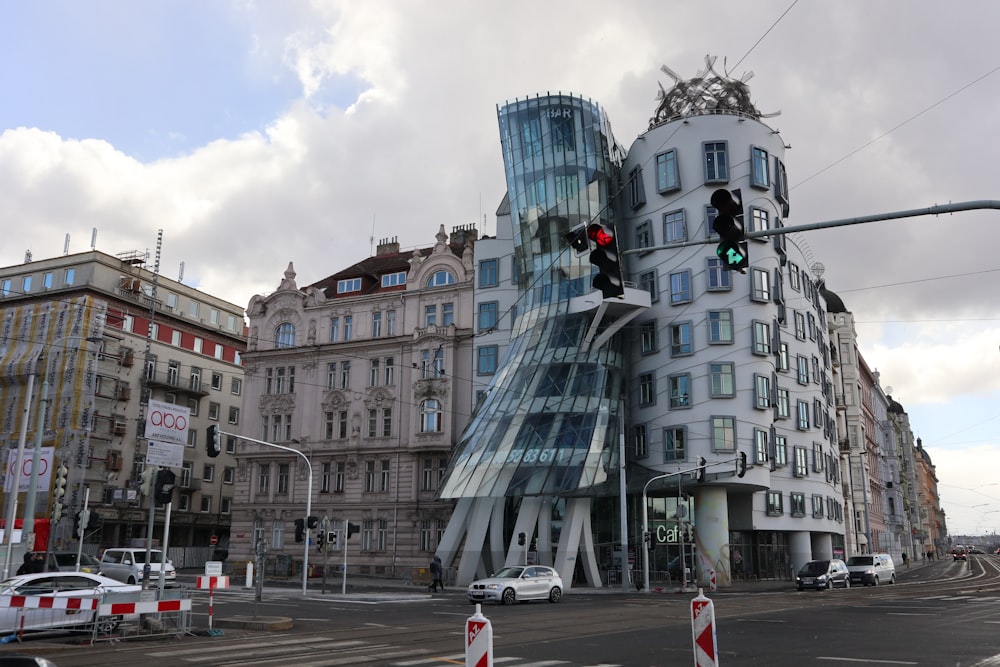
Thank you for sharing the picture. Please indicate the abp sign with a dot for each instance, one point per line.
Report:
(167, 422)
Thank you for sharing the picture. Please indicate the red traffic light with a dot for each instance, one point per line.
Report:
(599, 235)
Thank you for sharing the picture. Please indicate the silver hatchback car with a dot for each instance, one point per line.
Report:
(514, 584)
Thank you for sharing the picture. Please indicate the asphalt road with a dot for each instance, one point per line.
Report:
(943, 614)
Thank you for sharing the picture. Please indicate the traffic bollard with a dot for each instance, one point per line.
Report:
(703, 631)
(478, 640)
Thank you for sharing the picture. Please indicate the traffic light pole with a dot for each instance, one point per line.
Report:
(309, 493)
(645, 512)
(842, 222)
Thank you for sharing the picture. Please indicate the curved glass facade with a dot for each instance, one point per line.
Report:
(548, 425)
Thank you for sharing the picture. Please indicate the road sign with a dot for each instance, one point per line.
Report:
(44, 469)
(706, 653)
(164, 454)
(213, 540)
(167, 422)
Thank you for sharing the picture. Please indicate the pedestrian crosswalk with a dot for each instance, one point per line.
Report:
(331, 652)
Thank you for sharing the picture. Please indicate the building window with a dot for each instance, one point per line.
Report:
(802, 410)
(723, 434)
(674, 227)
(440, 279)
(636, 192)
(647, 389)
(376, 324)
(681, 343)
(761, 392)
(781, 185)
(390, 371)
(647, 337)
(761, 288)
(818, 457)
(759, 164)
(394, 279)
(801, 462)
(236, 387)
(802, 369)
(390, 323)
(722, 378)
(430, 416)
(383, 475)
(348, 285)
(647, 281)
(334, 329)
(284, 336)
(68, 277)
(716, 169)
(680, 287)
(562, 129)
(680, 390)
(782, 403)
(668, 177)
(780, 450)
(208, 473)
(47, 280)
(447, 314)
(5, 291)
(486, 359)
(720, 327)
(639, 442)
(263, 477)
(761, 338)
(488, 313)
(675, 443)
(489, 275)
(281, 487)
(175, 338)
(374, 372)
(817, 506)
(644, 234)
(774, 504)
(26, 284)
(800, 325)
(430, 316)
(760, 446)
(348, 327)
(206, 503)
(719, 279)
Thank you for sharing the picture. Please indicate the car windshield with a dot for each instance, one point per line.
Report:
(815, 568)
(860, 560)
(509, 573)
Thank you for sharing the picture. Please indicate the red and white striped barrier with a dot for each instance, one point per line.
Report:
(213, 582)
(153, 607)
(706, 653)
(478, 640)
(47, 602)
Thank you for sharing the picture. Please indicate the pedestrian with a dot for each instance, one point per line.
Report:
(906, 560)
(436, 575)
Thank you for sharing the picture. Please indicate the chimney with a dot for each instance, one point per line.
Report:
(463, 234)
(387, 247)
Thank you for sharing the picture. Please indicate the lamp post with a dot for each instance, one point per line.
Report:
(309, 493)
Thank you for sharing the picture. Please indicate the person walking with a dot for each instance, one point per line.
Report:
(436, 575)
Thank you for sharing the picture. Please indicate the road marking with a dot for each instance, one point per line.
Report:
(867, 661)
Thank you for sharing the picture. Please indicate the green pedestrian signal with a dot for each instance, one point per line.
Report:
(728, 224)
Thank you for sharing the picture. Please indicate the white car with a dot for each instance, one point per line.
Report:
(58, 585)
(127, 564)
(513, 584)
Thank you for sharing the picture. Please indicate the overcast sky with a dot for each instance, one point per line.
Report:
(254, 133)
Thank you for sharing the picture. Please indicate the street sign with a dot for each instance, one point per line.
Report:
(167, 422)
(44, 469)
(164, 454)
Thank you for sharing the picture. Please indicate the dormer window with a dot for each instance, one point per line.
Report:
(394, 279)
(348, 285)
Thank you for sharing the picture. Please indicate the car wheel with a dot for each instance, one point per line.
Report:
(508, 597)
(875, 581)
(799, 588)
(555, 594)
(892, 579)
(131, 581)
(847, 583)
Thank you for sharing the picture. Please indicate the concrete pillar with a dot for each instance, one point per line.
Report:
(800, 549)
(711, 521)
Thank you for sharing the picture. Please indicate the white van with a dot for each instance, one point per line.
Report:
(872, 569)
(128, 563)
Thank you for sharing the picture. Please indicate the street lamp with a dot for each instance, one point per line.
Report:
(309, 494)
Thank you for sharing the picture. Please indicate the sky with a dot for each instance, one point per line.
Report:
(255, 133)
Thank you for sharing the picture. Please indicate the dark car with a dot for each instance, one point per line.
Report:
(958, 554)
(823, 574)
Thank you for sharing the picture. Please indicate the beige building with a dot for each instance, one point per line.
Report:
(134, 336)
(365, 372)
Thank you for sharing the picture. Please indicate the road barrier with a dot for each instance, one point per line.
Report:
(706, 653)
(478, 640)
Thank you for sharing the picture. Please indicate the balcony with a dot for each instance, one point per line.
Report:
(171, 381)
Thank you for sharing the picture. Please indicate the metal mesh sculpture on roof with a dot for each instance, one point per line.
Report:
(708, 91)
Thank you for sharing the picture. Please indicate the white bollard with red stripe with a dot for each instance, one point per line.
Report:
(706, 653)
(478, 640)
(211, 583)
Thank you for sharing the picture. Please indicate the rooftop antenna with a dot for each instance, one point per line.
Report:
(371, 239)
(27, 256)
(66, 245)
(93, 238)
(180, 274)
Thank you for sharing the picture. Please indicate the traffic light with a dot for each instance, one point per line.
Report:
(214, 441)
(312, 522)
(520, 539)
(604, 256)
(300, 530)
(58, 491)
(146, 480)
(332, 541)
(352, 528)
(701, 469)
(320, 539)
(163, 490)
(57, 510)
(741, 464)
(732, 249)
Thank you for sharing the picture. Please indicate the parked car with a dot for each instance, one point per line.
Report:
(58, 585)
(65, 561)
(24, 660)
(872, 569)
(127, 565)
(514, 584)
(823, 575)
